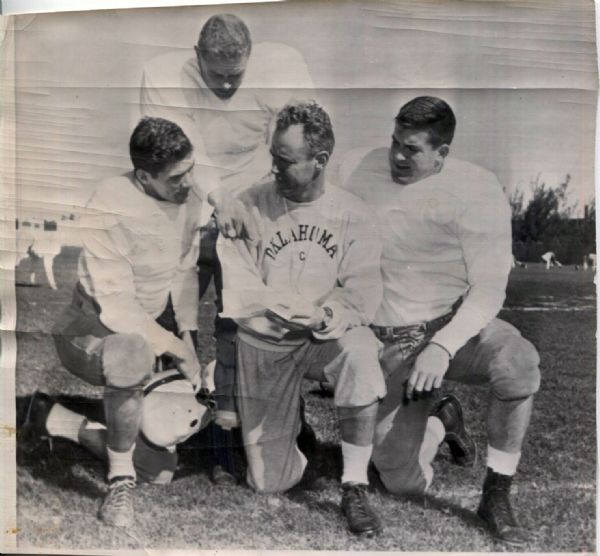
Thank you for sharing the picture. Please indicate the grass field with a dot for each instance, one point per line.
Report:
(555, 490)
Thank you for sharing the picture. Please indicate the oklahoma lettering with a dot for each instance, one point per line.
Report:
(302, 232)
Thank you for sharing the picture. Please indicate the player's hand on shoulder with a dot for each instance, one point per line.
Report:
(234, 219)
(428, 371)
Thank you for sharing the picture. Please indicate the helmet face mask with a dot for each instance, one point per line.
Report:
(171, 412)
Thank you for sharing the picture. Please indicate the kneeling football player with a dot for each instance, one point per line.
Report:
(134, 298)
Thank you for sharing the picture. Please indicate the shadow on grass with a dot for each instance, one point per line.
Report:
(428, 502)
(470, 518)
(58, 461)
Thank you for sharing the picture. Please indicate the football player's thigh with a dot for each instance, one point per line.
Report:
(351, 364)
(472, 364)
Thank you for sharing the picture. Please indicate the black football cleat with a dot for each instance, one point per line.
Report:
(33, 425)
(495, 510)
(360, 517)
(223, 472)
(462, 446)
(221, 477)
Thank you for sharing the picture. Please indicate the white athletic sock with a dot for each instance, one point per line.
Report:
(435, 428)
(120, 463)
(64, 422)
(434, 436)
(502, 462)
(356, 462)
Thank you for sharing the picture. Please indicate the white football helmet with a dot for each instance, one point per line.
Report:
(171, 411)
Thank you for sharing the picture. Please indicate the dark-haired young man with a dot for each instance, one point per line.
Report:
(136, 298)
(302, 293)
(445, 228)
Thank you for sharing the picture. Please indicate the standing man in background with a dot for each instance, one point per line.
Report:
(445, 227)
(225, 96)
(137, 295)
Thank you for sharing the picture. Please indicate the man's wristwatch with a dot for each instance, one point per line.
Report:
(327, 318)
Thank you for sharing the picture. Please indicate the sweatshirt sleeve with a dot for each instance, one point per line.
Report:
(243, 285)
(483, 227)
(359, 289)
(185, 290)
(105, 258)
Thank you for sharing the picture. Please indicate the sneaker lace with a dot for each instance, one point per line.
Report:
(360, 509)
(119, 493)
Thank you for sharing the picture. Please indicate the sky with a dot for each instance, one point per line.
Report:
(520, 75)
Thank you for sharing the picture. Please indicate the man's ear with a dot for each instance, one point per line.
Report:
(322, 159)
(141, 176)
(443, 150)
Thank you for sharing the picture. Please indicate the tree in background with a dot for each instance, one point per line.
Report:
(546, 223)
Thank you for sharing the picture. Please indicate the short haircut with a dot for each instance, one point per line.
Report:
(225, 36)
(157, 143)
(318, 132)
(429, 114)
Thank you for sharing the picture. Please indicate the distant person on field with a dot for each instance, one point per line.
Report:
(137, 295)
(550, 259)
(590, 260)
(516, 263)
(445, 227)
(46, 248)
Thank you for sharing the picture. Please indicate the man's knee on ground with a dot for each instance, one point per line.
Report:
(270, 481)
(403, 480)
(515, 369)
(127, 360)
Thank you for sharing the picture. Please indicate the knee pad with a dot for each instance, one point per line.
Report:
(127, 360)
(515, 371)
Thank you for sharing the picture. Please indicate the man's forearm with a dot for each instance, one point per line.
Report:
(479, 307)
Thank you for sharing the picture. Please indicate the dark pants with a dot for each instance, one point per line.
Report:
(225, 329)
(498, 357)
